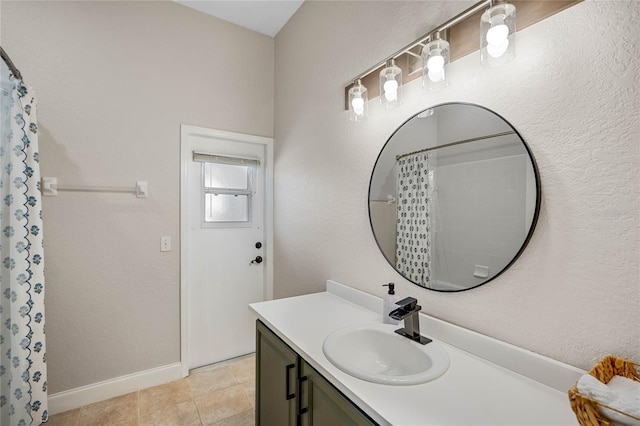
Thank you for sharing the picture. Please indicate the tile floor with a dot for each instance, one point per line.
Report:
(222, 394)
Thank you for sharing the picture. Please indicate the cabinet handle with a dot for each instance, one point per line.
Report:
(306, 409)
(287, 378)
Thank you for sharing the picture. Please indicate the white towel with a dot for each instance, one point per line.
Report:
(620, 393)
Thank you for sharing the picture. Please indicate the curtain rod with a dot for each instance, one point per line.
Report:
(10, 64)
(479, 138)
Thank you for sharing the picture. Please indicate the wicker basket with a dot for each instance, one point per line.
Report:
(586, 409)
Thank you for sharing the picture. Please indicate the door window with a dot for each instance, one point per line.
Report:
(227, 198)
(227, 189)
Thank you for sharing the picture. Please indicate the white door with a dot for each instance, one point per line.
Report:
(225, 243)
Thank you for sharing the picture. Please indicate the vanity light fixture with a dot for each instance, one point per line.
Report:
(435, 62)
(498, 34)
(356, 93)
(390, 84)
(460, 33)
(358, 102)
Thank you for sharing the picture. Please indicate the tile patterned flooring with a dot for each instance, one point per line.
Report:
(222, 394)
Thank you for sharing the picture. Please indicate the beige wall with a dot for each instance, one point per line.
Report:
(573, 93)
(114, 81)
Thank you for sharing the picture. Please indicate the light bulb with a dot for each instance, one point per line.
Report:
(391, 96)
(436, 74)
(390, 89)
(390, 84)
(497, 50)
(497, 34)
(358, 105)
(358, 101)
(435, 63)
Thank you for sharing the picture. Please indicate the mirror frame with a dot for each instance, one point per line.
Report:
(536, 213)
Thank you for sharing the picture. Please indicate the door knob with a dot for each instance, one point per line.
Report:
(258, 259)
(258, 245)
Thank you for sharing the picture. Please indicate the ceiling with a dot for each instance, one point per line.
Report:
(264, 16)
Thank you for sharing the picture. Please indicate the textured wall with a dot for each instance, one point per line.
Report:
(115, 80)
(573, 94)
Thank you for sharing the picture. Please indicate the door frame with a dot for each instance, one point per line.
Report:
(186, 131)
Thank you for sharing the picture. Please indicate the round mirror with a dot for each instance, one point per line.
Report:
(454, 197)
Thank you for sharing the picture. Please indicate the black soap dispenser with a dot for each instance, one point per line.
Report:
(389, 304)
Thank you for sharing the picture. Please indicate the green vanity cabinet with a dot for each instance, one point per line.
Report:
(276, 380)
(291, 392)
(323, 404)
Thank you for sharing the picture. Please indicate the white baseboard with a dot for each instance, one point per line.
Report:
(76, 398)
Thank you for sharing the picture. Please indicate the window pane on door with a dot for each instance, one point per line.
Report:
(226, 207)
(228, 176)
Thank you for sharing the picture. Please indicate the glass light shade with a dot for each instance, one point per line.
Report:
(390, 85)
(498, 35)
(358, 102)
(435, 64)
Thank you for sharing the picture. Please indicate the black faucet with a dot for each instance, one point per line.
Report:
(408, 311)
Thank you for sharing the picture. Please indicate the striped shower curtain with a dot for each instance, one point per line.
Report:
(413, 236)
(23, 373)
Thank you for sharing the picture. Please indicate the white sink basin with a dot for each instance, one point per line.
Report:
(373, 352)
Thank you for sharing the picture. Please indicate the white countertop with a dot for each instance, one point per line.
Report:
(472, 392)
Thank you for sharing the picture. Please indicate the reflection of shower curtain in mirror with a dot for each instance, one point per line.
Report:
(413, 236)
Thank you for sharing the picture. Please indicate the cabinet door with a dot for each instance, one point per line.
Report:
(324, 405)
(276, 380)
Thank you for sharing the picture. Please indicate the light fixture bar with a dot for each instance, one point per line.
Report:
(464, 36)
(421, 41)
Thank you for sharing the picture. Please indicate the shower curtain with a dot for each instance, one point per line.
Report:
(23, 373)
(413, 236)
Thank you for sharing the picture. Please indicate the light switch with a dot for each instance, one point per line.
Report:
(165, 243)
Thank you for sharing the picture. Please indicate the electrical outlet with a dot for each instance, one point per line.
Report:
(165, 243)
